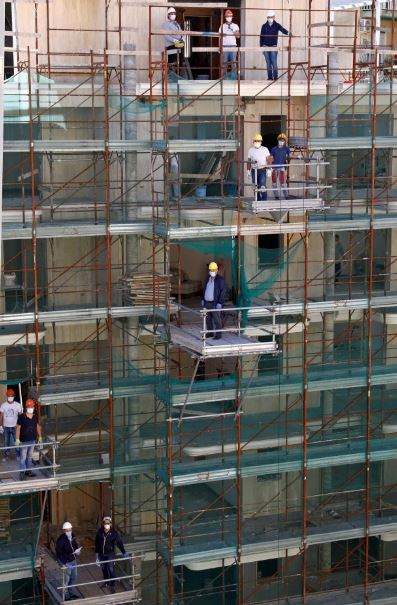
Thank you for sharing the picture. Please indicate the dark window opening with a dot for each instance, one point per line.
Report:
(8, 56)
(271, 126)
(266, 569)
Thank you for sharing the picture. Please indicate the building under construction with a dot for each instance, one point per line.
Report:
(255, 468)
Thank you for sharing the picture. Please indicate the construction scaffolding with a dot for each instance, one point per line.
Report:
(252, 468)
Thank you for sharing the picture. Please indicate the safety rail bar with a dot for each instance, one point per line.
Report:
(132, 576)
(40, 446)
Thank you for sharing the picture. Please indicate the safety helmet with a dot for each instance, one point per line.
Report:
(10, 392)
(30, 403)
(171, 10)
(213, 266)
(258, 137)
(282, 136)
(228, 13)
(67, 525)
(108, 519)
(271, 14)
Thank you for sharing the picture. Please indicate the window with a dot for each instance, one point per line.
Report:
(269, 250)
(266, 569)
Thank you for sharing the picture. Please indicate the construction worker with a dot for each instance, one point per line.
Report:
(106, 541)
(67, 549)
(214, 296)
(28, 433)
(9, 412)
(174, 43)
(228, 44)
(175, 187)
(258, 162)
(269, 39)
(280, 155)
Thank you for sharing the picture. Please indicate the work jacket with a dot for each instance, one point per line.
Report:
(65, 548)
(269, 33)
(220, 290)
(105, 543)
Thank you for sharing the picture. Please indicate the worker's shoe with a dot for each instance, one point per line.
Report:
(217, 336)
(30, 474)
(209, 335)
(112, 589)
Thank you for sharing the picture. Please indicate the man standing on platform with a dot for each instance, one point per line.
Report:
(106, 541)
(214, 296)
(173, 41)
(269, 39)
(9, 412)
(228, 43)
(28, 433)
(258, 162)
(67, 550)
(280, 154)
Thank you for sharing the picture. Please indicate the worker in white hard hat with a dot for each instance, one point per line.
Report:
(67, 550)
(106, 540)
(228, 44)
(258, 162)
(268, 39)
(214, 296)
(280, 154)
(173, 41)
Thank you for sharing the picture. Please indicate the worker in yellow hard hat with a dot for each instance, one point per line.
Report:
(214, 296)
(258, 161)
(280, 154)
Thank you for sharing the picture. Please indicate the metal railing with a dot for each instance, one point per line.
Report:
(131, 575)
(46, 463)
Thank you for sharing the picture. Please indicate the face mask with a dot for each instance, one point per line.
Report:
(270, 20)
(30, 410)
(213, 273)
(10, 399)
(69, 534)
(229, 19)
(106, 526)
(172, 17)
(280, 143)
(257, 144)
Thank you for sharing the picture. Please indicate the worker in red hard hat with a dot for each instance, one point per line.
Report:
(228, 44)
(9, 412)
(28, 433)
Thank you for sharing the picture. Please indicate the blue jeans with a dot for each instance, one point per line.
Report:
(71, 578)
(9, 438)
(25, 455)
(260, 175)
(108, 568)
(271, 64)
(229, 56)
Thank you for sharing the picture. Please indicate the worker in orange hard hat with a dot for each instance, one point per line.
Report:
(214, 296)
(9, 412)
(28, 433)
(229, 32)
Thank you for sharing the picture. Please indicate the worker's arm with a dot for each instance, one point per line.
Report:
(282, 29)
(1, 418)
(262, 36)
(221, 294)
(120, 544)
(18, 432)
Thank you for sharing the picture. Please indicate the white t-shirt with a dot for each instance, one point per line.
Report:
(10, 413)
(229, 30)
(259, 156)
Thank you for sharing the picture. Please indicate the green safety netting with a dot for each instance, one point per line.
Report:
(257, 274)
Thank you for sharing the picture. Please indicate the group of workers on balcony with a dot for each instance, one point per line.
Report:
(67, 551)
(229, 32)
(22, 429)
(261, 161)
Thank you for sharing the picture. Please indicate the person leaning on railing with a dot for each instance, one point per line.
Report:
(174, 43)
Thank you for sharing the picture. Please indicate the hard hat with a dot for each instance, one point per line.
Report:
(258, 137)
(29, 403)
(228, 13)
(10, 392)
(282, 136)
(171, 10)
(271, 14)
(109, 519)
(67, 525)
(213, 266)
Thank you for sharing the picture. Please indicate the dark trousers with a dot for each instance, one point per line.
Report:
(260, 175)
(271, 64)
(108, 568)
(213, 320)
